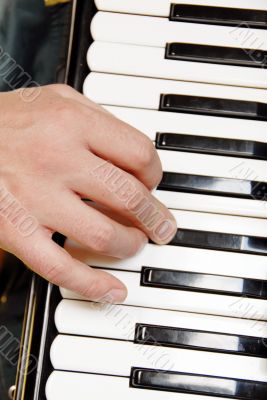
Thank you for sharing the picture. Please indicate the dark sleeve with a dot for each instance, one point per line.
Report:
(35, 38)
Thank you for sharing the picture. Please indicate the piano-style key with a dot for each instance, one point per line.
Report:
(213, 106)
(183, 300)
(146, 93)
(214, 204)
(155, 62)
(220, 241)
(69, 385)
(207, 283)
(220, 223)
(210, 145)
(84, 318)
(199, 340)
(167, 328)
(93, 355)
(218, 15)
(198, 384)
(162, 7)
(216, 55)
(155, 31)
(218, 167)
(213, 186)
(151, 122)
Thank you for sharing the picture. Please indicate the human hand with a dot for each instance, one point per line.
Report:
(62, 148)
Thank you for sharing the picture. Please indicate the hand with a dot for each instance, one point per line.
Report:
(56, 151)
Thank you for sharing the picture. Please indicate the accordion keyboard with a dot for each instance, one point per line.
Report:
(193, 77)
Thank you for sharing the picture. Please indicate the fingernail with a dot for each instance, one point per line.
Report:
(116, 296)
(165, 230)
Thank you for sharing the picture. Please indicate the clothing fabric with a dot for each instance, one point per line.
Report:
(35, 37)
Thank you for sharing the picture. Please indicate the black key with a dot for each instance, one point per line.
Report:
(213, 106)
(209, 185)
(197, 282)
(219, 16)
(216, 55)
(198, 384)
(212, 145)
(200, 340)
(220, 241)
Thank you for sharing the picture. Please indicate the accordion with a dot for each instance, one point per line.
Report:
(192, 76)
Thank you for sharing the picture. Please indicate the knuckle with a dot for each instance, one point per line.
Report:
(145, 152)
(157, 178)
(54, 273)
(56, 110)
(64, 114)
(63, 109)
(91, 290)
(102, 239)
(134, 248)
(60, 88)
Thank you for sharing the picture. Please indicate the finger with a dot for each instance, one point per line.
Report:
(116, 141)
(121, 192)
(127, 148)
(53, 263)
(94, 230)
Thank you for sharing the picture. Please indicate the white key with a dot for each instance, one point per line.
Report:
(150, 122)
(162, 7)
(154, 31)
(181, 300)
(70, 386)
(120, 90)
(179, 258)
(216, 166)
(70, 353)
(213, 204)
(118, 322)
(220, 223)
(150, 62)
(211, 165)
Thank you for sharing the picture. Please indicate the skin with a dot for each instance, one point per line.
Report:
(50, 153)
